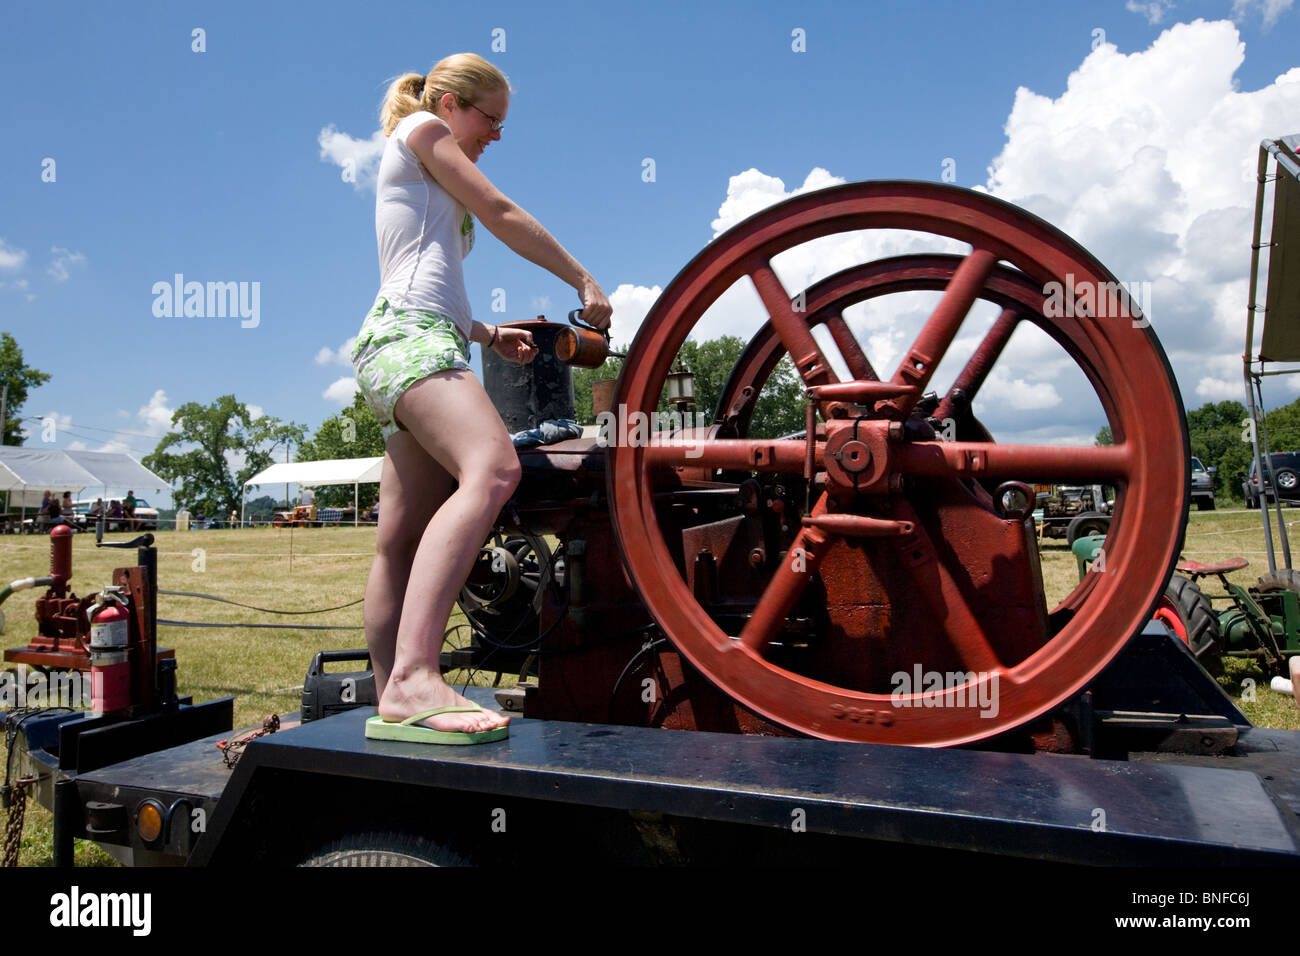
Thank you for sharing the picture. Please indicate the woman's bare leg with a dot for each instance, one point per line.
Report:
(452, 418)
(412, 487)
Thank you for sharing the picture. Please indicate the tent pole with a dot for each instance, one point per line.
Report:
(356, 515)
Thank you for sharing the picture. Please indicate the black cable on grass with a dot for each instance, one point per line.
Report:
(251, 607)
(285, 627)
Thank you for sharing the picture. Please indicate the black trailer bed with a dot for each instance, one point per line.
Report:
(1066, 809)
(781, 794)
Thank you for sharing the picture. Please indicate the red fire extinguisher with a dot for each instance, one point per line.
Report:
(110, 668)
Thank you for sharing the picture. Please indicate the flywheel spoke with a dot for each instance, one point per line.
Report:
(919, 364)
(742, 454)
(791, 327)
(788, 582)
(854, 357)
(1048, 464)
(977, 367)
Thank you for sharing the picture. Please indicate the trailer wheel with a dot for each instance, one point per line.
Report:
(384, 849)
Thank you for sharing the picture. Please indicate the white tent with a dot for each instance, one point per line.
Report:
(331, 471)
(30, 472)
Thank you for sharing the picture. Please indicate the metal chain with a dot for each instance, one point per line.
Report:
(233, 749)
(17, 812)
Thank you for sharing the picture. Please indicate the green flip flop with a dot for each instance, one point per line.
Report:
(379, 729)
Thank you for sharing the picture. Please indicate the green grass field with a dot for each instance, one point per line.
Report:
(311, 569)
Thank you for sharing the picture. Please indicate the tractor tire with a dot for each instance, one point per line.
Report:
(1283, 579)
(384, 849)
(1088, 523)
(1189, 612)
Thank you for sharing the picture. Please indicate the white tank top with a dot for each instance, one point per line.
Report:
(423, 232)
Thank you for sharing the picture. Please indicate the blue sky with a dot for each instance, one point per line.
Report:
(228, 165)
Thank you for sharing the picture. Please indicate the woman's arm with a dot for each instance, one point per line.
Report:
(513, 344)
(438, 151)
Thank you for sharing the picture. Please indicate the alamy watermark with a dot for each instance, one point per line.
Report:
(920, 688)
(635, 429)
(131, 911)
(212, 300)
(1086, 299)
(58, 689)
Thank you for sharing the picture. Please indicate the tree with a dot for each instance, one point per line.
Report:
(352, 433)
(1220, 439)
(1104, 437)
(263, 508)
(214, 434)
(780, 408)
(585, 378)
(19, 377)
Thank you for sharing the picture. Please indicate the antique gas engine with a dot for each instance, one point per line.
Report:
(813, 584)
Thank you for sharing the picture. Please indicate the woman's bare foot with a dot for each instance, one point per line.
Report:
(418, 691)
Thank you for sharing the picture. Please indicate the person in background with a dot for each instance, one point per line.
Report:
(128, 508)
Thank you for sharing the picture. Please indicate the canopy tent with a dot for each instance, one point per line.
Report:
(33, 471)
(1280, 311)
(330, 471)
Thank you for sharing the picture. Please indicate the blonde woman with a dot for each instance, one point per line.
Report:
(449, 465)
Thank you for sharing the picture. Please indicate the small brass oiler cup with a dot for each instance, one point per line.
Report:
(584, 346)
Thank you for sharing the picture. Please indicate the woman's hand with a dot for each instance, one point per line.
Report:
(514, 345)
(596, 310)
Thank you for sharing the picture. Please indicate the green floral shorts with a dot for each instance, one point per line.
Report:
(395, 349)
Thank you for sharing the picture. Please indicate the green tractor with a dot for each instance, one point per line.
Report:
(1263, 622)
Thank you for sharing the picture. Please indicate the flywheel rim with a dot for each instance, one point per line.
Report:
(1135, 379)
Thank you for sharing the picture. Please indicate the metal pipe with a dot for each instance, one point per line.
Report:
(1282, 154)
(1246, 361)
(67, 823)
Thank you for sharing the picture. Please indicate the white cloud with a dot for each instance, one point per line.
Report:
(357, 158)
(11, 258)
(76, 446)
(540, 304)
(739, 311)
(340, 356)
(155, 414)
(1217, 389)
(1148, 159)
(752, 191)
(254, 411)
(1001, 390)
(1154, 10)
(341, 391)
(62, 259)
(60, 421)
(630, 304)
(1270, 10)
